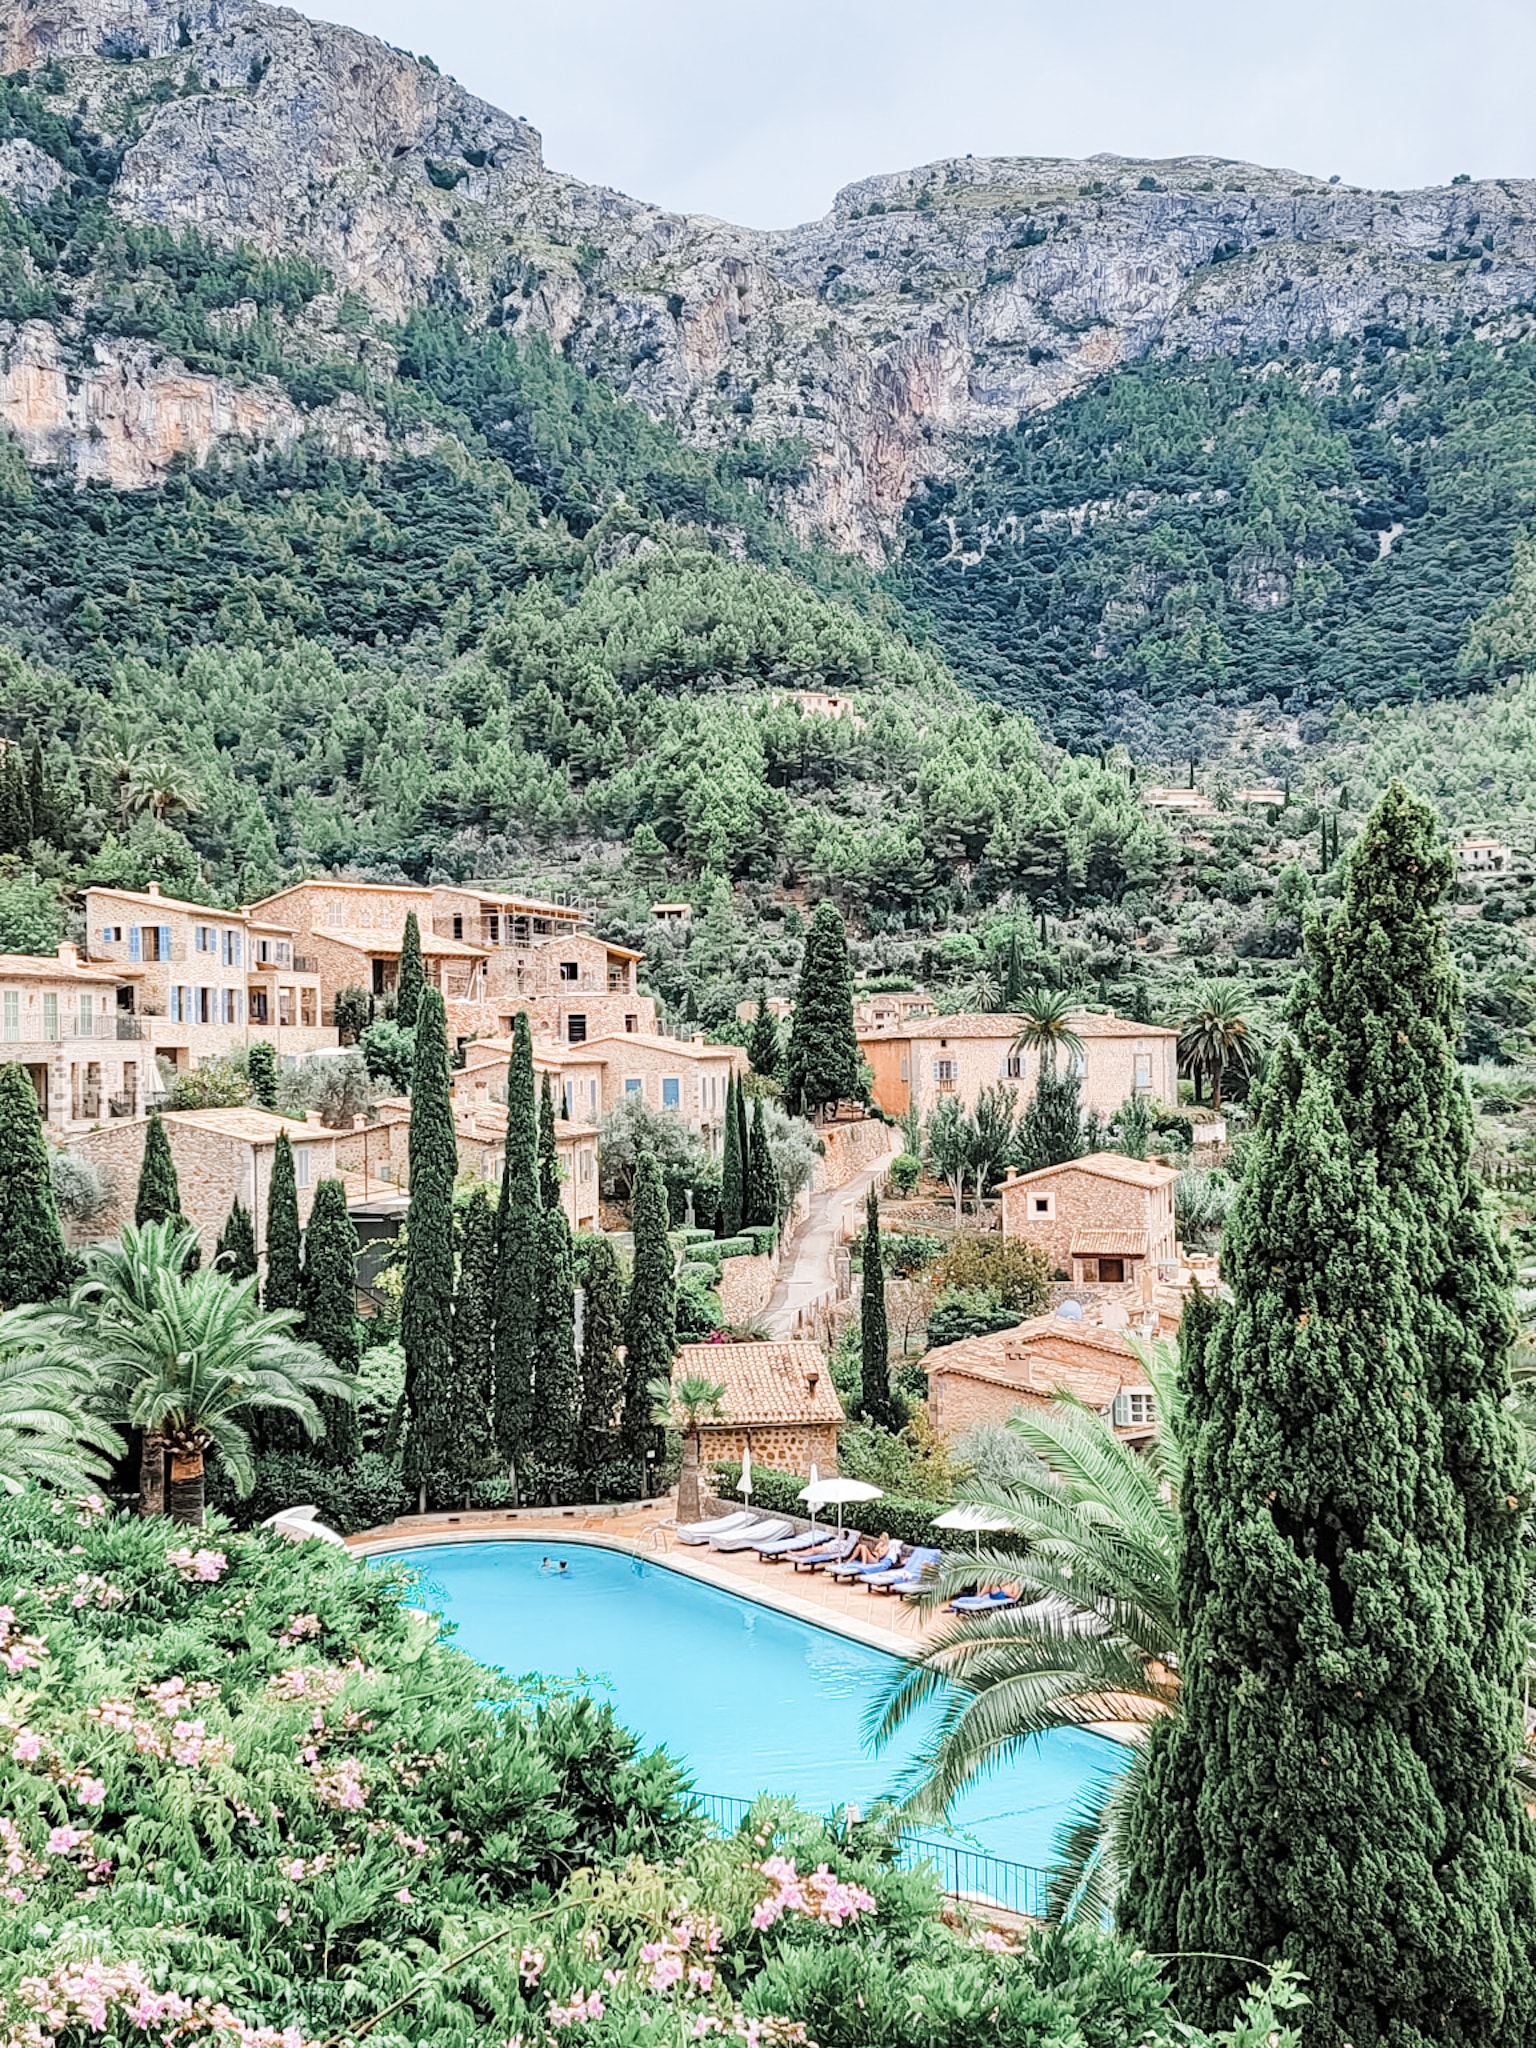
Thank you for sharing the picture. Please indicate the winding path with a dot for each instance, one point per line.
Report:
(811, 1269)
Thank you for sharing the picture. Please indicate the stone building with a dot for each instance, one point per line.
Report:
(380, 1151)
(221, 1155)
(59, 1019)
(920, 1059)
(779, 1400)
(1103, 1220)
(1080, 1350)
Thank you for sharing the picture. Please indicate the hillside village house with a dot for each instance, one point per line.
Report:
(779, 1400)
(59, 1019)
(919, 1059)
(221, 1155)
(380, 1150)
(1103, 1220)
(1080, 1349)
(681, 1074)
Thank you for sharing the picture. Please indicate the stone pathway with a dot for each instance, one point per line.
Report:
(811, 1270)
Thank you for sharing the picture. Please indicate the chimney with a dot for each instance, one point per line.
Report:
(812, 1382)
(153, 889)
(68, 956)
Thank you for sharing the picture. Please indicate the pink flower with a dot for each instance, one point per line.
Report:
(530, 1967)
(403, 1896)
(665, 1972)
(701, 1980)
(27, 1747)
(63, 1840)
(91, 1792)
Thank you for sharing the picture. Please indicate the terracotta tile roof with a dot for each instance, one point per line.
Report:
(332, 882)
(961, 1024)
(152, 902)
(365, 941)
(1110, 1244)
(765, 1384)
(1096, 1024)
(1135, 1173)
(252, 1126)
(1044, 1356)
(49, 967)
(679, 1048)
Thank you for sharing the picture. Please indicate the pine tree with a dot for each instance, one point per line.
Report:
(411, 979)
(602, 1334)
(426, 1309)
(261, 1070)
(284, 1286)
(517, 1253)
(732, 1170)
(39, 810)
(1051, 1128)
(549, 1156)
(330, 1312)
(823, 1063)
(874, 1331)
(34, 1266)
(762, 1202)
(650, 1320)
(763, 1046)
(557, 1376)
(1336, 1787)
(236, 1253)
(471, 1451)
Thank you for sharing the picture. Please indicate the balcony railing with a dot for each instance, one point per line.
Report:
(118, 955)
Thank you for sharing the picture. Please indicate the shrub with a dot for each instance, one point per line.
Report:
(1016, 1273)
(908, 1521)
(364, 1495)
(906, 1171)
(969, 1312)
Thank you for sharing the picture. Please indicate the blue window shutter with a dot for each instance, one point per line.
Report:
(175, 1003)
(135, 943)
(106, 935)
(165, 942)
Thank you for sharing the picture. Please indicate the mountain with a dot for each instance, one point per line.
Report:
(929, 308)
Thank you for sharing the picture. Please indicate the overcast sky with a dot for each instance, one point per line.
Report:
(758, 110)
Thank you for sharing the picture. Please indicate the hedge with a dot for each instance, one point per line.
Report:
(907, 1521)
(719, 1248)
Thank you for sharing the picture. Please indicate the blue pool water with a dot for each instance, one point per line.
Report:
(753, 1700)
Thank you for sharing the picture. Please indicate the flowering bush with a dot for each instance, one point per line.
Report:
(265, 1805)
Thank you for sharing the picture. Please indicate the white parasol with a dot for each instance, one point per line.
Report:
(834, 1492)
(976, 1517)
(744, 1483)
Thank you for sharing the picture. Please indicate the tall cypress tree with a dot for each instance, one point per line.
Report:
(261, 1070)
(602, 1335)
(557, 1376)
(517, 1253)
(235, 1256)
(549, 1156)
(823, 1064)
(426, 1310)
(763, 1046)
(34, 1266)
(330, 1312)
(1336, 1788)
(158, 1197)
(732, 1170)
(471, 1449)
(762, 1202)
(412, 976)
(874, 1331)
(743, 1141)
(650, 1320)
(285, 1270)
(39, 809)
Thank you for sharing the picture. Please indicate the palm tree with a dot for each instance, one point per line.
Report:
(134, 1270)
(186, 1358)
(1095, 1638)
(1045, 1023)
(47, 1432)
(1216, 1038)
(690, 1402)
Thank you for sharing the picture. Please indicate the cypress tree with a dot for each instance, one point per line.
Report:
(39, 810)
(471, 1451)
(285, 1271)
(1013, 975)
(874, 1331)
(261, 1070)
(763, 1045)
(426, 1311)
(743, 1141)
(34, 1266)
(650, 1320)
(557, 1376)
(823, 1064)
(602, 1334)
(732, 1170)
(549, 1157)
(330, 1312)
(1336, 1787)
(235, 1256)
(411, 979)
(762, 1203)
(1051, 1128)
(517, 1253)
(158, 1199)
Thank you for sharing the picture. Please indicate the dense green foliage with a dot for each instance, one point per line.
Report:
(426, 1314)
(283, 1287)
(760, 1209)
(412, 977)
(261, 1071)
(330, 1310)
(650, 1315)
(822, 1064)
(874, 1332)
(517, 1253)
(235, 1253)
(1337, 1785)
(601, 1280)
(471, 1451)
(731, 1213)
(34, 1265)
(557, 1400)
(157, 1198)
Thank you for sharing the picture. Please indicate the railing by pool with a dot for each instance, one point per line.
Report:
(962, 1873)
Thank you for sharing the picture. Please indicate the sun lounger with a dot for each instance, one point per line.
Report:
(700, 1532)
(982, 1603)
(910, 1574)
(835, 1550)
(846, 1572)
(749, 1539)
(788, 1546)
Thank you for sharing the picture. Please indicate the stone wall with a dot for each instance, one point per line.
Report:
(746, 1285)
(791, 1448)
(850, 1148)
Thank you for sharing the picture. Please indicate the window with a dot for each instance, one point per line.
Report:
(12, 1013)
(87, 1016)
(301, 1166)
(285, 1006)
(458, 927)
(1042, 1205)
(906, 1068)
(1143, 1072)
(570, 970)
(232, 949)
(671, 1091)
(308, 998)
(1133, 1410)
(175, 1002)
(568, 1101)
(50, 1015)
(258, 1006)
(1013, 1066)
(633, 1085)
(575, 1030)
(944, 1074)
(631, 1023)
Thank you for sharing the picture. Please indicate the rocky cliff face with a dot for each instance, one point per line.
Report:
(928, 306)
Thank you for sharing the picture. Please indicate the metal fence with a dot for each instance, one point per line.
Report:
(962, 1873)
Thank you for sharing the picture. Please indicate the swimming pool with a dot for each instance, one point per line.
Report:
(753, 1700)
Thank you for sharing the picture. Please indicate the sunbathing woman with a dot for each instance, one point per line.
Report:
(868, 1552)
